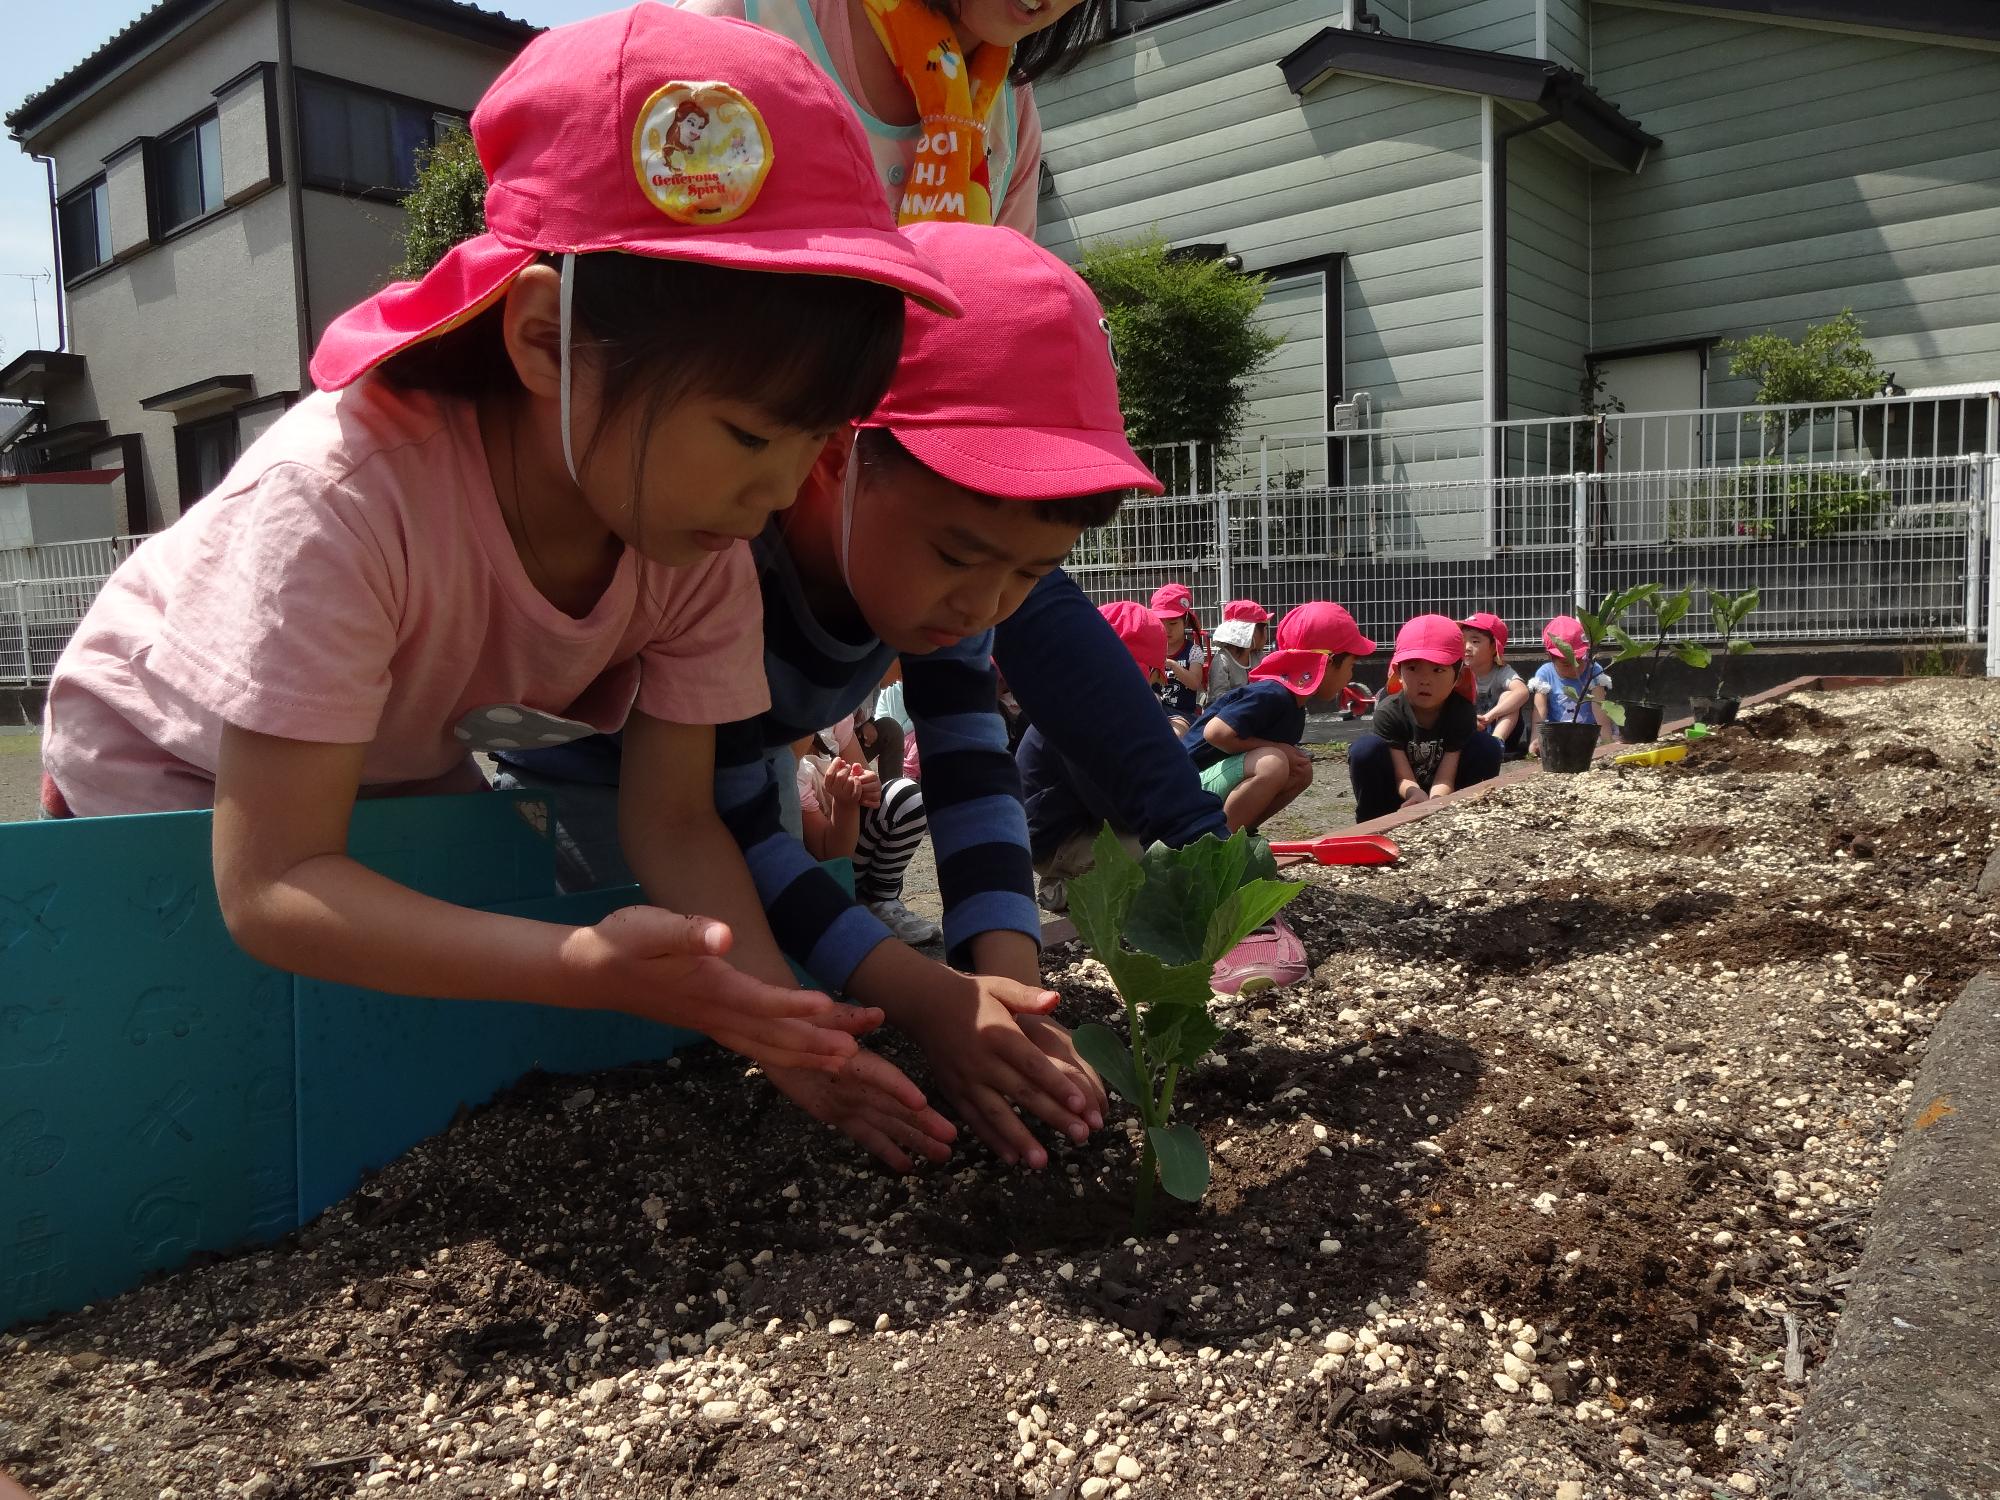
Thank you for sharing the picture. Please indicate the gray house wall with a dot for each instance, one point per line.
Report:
(1802, 171)
(1566, 29)
(1187, 130)
(1548, 277)
(1491, 25)
(150, 323)
(351, 243)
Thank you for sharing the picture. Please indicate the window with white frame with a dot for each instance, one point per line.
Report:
(361, 140)
(188, 168)
(85, 220)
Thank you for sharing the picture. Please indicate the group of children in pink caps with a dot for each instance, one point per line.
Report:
(1451, 711)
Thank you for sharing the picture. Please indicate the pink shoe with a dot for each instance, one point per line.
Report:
(1269, 959)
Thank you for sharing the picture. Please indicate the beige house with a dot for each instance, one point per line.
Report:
(225, 179)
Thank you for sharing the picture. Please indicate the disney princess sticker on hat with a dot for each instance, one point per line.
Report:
(702, 152)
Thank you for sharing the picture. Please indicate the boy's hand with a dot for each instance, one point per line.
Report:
(992, 1049)
(873, 1104)
(1413, 794)
(651, 962)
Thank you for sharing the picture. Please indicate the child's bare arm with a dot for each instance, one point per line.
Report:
(1407, 786)
(1446, 779)
(292, 897)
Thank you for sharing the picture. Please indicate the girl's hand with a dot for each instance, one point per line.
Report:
(874, 1105)
(1413, 794)
(655, 963)
(867, 786)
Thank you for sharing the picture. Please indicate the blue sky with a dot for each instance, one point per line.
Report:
(45, 41)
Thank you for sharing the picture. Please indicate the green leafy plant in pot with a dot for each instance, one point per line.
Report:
(1642, 718)
(1727, 614)
(1158, 924)
(1567, 747)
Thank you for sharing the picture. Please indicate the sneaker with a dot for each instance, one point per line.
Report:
(906, 924)
(1269, 959)
(1052, 894)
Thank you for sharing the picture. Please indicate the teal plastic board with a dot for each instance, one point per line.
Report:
(378, 1073)
(146, 1079)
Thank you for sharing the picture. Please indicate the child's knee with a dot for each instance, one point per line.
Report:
(1267, 765)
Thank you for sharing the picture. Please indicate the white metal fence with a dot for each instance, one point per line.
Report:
(1860, 521)
(43, 593)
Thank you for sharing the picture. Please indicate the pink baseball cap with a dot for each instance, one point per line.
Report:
(652, 131)
(1434, 638)
(1492, 624)
(1569, 630)
(1246, 609)
(1141, 631)
(1306, 638)
(1172, 600)
(1019, 398)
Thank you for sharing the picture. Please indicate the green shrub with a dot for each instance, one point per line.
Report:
(447, 205)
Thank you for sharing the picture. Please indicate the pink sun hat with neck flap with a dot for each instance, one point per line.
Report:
(1432, 638)
(1172, 600)
(1019, 398)
(1240, 619)
(1492, 624)
(1141, 631)
(1567, 629)
(1306, 638)
(652, 131)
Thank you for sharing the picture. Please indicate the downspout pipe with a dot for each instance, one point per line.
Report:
(1501, 241)
(294, 166)
(55, 245)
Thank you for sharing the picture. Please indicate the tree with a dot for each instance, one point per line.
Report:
(1829, 364)
(1186, 338)
(448, 204)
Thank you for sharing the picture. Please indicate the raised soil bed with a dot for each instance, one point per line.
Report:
(1549, 1184)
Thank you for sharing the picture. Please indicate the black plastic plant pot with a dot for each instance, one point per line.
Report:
(1720, 711)
(1567, 748)
(1642, 721)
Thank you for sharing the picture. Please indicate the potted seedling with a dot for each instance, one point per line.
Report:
(1727, 614)
(1567, 745)
(1158, 924)
(1642, 718)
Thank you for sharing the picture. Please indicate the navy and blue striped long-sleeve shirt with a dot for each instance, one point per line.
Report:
(972, 792)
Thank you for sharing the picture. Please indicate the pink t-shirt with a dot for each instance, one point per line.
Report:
(352, 581)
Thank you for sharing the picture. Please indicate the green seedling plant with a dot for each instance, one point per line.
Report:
(1727, 614)
(1597, 628)
(1668, 611)
(1158, 924)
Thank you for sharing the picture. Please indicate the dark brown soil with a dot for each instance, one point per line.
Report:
(1612, 1055)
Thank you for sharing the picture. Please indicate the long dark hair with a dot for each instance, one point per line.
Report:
(813, 351)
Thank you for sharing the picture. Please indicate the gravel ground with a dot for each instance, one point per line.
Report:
(20, 774)
(1546, 1187)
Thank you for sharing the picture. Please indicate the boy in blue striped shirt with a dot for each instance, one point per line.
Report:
(999, 443)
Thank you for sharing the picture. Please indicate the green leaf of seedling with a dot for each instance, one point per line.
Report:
(1248, 908)
(1170, 914)
(1183, 1160)
(1628, 648)
(1100, 900)
(1180, 1034)
(1615, 712)
(1671, 610)
(1692, 655)
(1099, 1046)
(1261, 864)
(1741, 648)
(1568, 658)
(1593, 625)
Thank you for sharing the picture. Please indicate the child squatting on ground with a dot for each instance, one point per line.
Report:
(1246, 745)
(1239, 642)
(515, 512)
(1503, 696)
(1184, 679)
(1426, 740)
(1564, 694)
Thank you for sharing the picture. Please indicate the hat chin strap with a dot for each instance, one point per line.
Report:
(563, 326)
(847, 486)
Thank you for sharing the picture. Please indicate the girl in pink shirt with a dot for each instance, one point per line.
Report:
(514, 514)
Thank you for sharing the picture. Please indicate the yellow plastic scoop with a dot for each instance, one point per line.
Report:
(1664, 756)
